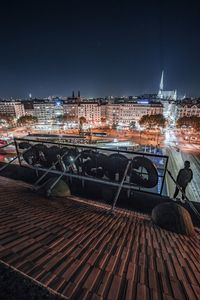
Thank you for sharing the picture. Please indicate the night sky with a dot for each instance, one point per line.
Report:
(100, 47)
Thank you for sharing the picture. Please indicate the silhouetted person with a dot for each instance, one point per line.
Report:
(185, 175)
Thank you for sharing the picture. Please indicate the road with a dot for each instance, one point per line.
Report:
(176, 162)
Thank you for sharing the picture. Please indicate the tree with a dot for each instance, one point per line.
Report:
(5, 119)
(82, 120)
(192, 121)
(103, 119)
(114, 126)
(66, 118)
(153, 121)
(144, 120)
(183, 121)
(27, 120)
(196, 124)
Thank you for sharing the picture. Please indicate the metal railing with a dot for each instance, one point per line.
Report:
(120, 186)
(123, 182)
(155, 158)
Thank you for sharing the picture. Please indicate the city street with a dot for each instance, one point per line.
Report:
(178, 151)
(176, 162)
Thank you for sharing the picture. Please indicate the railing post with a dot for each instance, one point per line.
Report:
(61, 175)
(120, 186)
(18, 153)
(48, 170)
(129, 190)
(164, 176)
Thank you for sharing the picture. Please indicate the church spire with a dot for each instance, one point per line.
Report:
(161, 81)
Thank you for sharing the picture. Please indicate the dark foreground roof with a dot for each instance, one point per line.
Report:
(75, 248)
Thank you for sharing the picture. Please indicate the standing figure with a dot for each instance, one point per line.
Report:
(185, 175)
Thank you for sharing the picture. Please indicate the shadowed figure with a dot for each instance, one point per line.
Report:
(185, 176)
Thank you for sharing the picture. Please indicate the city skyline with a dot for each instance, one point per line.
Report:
(104, 48)
(162, 94)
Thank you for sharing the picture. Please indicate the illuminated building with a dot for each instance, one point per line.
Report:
(46, 110)
(166, 95)
(28, 108)
(127, 112)
(70, 109)
(188, 109)
(90, 110)
(12, 108)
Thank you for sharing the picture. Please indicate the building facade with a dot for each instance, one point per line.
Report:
(12, 108)
(47, 111)
(103, 108)
(125, 113)
(91, 111)
(28, 108)
(70, 109)
(117, 111)
(187, 110)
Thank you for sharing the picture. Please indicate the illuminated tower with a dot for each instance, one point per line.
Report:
(160, 92)
(166, 95)
(175, 95)
(161, 81)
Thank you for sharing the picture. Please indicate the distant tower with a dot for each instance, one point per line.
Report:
(175, 95)
(30, 95)
(166, 95)
(162, 81)
(160, 93)
(78, 100)
(73, 94)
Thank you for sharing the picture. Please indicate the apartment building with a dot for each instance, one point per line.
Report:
(90, 110)
(46, 111)
(127, 112)
(12, 108)
(188, 109)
